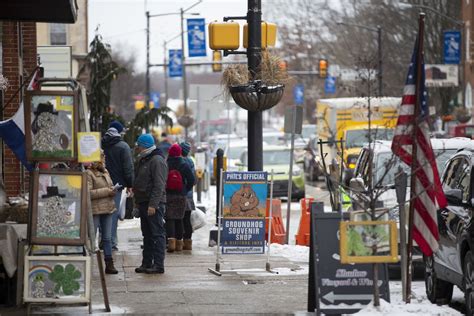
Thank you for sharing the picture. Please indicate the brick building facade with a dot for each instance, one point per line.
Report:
(18, 59)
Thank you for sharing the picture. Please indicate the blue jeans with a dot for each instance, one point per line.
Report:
(115, 218)
(154, 240)
(105, 223)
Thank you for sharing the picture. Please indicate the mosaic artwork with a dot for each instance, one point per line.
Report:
(58, 211)
(51, 120)
(56, 278)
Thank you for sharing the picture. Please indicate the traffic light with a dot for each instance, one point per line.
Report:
(217, 56)
(323, 68)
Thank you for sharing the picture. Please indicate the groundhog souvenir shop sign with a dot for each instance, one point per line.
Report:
(243, 223)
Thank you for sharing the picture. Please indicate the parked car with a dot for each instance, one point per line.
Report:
(385, 166)
(277, 158)
(453, 263)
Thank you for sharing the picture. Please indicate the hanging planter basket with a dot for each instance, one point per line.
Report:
(185, 121)
(256, 96)
(462, 115)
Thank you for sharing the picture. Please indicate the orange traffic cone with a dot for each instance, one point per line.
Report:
(302, 237)
(278, 232)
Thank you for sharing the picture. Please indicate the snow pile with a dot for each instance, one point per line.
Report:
(420, 308)
(292, 252)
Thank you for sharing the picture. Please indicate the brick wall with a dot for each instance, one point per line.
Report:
(15, 68)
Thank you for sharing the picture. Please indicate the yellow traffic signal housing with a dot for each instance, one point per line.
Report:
(216, 56)
(323, 68)
(269, 34)
(224, 35)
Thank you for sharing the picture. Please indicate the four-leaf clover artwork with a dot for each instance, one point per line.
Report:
(65, 278)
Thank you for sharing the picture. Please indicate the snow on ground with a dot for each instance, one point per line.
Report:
(401, 309)
(292, 252)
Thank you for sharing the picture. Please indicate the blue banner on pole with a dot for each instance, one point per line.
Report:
(452, 47)
(154, 100)
(330, 85)
(298, 94)
(243, 224)
(196, 37)
(175, 65)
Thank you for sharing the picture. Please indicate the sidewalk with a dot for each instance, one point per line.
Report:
(188, 288)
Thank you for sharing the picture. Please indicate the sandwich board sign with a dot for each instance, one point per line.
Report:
(337, 288)
(243, 222)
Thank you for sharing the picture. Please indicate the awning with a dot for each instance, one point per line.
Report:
(52, 11)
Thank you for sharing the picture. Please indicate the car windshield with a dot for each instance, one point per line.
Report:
(271, 139)
(386, 166)
(308, 131)
(276, 157)
(235, 152)
(359, 137)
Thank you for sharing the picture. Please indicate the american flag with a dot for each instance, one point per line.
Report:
(428, 195)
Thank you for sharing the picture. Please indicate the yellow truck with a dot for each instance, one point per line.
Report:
(347, 119)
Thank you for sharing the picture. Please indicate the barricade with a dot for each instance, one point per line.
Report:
(278, 230)
(302, 236)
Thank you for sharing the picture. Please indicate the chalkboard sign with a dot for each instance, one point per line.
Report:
(336, 288)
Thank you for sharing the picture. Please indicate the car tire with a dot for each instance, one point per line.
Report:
(468, 283)
(438, 291)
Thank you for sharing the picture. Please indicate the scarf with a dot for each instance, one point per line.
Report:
(146, 152)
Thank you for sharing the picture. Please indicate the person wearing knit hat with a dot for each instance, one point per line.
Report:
(117, 125)
(150, 195)
(188, 228)
(179, 171)
(185, 148)
(118, 159)
(146, 141)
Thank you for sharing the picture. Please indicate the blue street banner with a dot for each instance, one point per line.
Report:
(452, 47)
(330, 85)
(243, 224)
(175, 65)
(154, 100)
(298, 94)
(196, 37)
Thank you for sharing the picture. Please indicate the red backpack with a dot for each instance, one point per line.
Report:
(174, 181)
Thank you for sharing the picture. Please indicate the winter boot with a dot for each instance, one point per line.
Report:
(188, 244)
(109, 266)
(179, 245)
(171, 244)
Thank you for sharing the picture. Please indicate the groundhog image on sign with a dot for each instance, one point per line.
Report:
(244, 202)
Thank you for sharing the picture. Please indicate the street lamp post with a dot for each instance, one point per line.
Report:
(147, 80)
(255, 125)
(378, 30)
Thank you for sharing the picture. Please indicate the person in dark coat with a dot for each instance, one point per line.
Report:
(118, 159)
(176, 200)
(165, 144)
(150, 196)
(188, 228)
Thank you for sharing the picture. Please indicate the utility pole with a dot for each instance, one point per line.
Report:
(254, 56)
(147, 80)
(165, 68)
(380, 60)
(185, 92)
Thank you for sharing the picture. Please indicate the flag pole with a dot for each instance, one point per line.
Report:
(414, 165)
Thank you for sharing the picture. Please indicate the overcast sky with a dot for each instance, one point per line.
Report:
(123, 22)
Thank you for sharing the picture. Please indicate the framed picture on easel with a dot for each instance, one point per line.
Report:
(58, 208)
(57, 279)
(51, 125)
